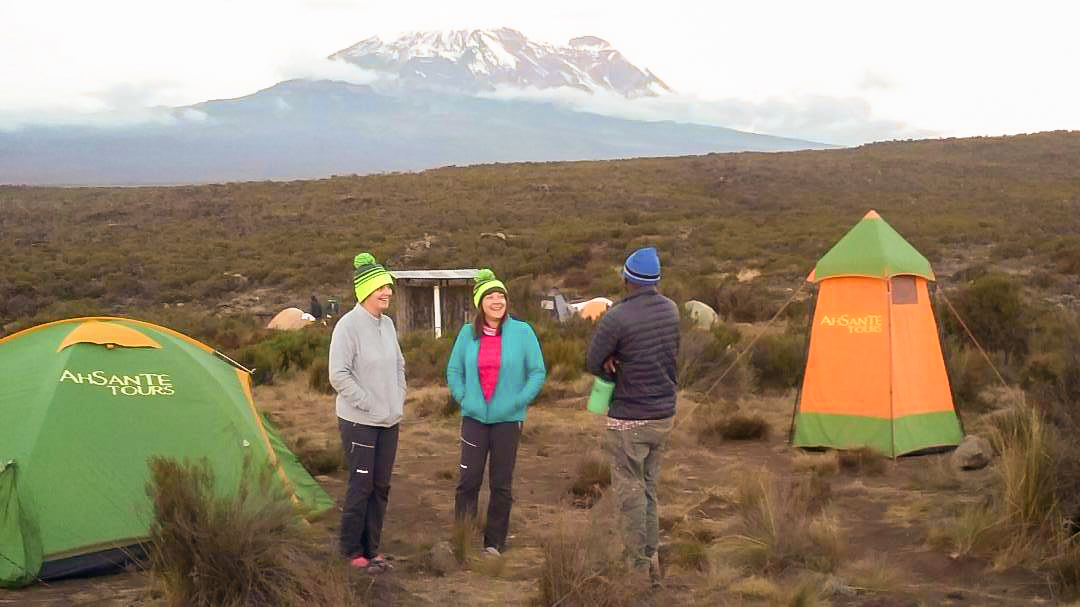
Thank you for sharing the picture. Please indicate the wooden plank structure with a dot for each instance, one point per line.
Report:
(438, 300)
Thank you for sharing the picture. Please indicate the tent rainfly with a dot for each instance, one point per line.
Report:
(875, 376)
(84, 403)
(592, 309)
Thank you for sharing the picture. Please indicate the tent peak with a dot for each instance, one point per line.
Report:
(871, 214)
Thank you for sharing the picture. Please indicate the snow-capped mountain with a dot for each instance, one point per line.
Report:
(471, 61)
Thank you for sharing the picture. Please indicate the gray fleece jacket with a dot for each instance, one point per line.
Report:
(367, 369)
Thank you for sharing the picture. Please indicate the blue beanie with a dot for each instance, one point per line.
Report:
(642, 267)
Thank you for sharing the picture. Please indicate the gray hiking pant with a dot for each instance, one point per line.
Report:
(635, 473)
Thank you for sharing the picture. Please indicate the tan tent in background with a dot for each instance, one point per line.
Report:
(702, 315)
(592, 309)
(290, 319)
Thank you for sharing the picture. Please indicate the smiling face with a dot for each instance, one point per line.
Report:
(494, 307)
(379, 300)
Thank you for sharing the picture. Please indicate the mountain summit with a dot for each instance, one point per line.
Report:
(473, 61)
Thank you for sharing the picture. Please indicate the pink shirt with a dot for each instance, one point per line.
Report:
(487, 361)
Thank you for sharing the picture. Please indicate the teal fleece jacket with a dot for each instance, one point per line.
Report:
(521, 374)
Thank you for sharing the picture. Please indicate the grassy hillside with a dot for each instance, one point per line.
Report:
(1012, 197)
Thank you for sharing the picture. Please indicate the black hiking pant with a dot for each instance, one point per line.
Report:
(369, 457)
(479, 442)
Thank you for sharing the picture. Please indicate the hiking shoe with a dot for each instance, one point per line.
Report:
(378, 564)
(359, 562)
(490, 552)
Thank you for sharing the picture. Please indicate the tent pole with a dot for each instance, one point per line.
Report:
(892, 369)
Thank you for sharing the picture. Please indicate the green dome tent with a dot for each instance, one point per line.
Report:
(83, 404)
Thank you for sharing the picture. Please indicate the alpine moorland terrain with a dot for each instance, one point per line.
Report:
(747, 519)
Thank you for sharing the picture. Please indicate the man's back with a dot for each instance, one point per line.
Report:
(641, 332)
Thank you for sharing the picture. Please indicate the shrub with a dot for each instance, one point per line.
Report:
(426, 357)
(744, 302)
(444, 406)
(704, 356)
(778, 360)
(317, 458)
(735, 427)
(241, 549)
(969, 376)
(994, 310)
(284, 352)
(319, 377)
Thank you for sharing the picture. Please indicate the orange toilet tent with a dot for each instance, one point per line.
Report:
(875, 376)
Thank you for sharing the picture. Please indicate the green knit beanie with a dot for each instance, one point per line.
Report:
(484, 283)
(368, 276)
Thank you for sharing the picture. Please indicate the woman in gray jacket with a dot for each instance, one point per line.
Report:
(368, 372)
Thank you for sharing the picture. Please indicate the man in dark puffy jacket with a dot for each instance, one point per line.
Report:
(636, 345)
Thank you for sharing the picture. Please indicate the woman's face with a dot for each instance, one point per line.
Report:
(494, 306)
(379, 300)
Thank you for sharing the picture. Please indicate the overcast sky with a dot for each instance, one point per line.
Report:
(836, 71)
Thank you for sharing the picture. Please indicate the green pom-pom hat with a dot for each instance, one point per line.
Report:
(368, 276)
(483, 283)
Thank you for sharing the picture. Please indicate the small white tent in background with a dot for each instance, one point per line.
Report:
(290, 319)
(702, 315)
(592, 309)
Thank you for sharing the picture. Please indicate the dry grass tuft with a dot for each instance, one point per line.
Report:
(489, 566)
(582, 567)
(806, 594)
(243, 549)
(783, 524)
(593, 478)
(819, 464)
(735, 427)
(756, 588)
(691, 556)
(461, 540)
(874, 575)
(863, 461)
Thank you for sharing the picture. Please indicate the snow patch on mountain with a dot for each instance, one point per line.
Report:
(475, 61)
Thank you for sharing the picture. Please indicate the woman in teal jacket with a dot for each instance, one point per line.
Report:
(495, 371)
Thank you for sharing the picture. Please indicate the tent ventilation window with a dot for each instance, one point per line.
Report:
(903, 291)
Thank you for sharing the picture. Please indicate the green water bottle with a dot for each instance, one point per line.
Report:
(600, 397)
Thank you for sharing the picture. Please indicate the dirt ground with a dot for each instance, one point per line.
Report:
(886, 517)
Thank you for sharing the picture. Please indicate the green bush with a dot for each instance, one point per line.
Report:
(745, 302)
(993, 308)
(426, 357)
(779, 360)
(319, 377)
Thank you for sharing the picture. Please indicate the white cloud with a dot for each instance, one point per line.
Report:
(325, 69)
(822, 119)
